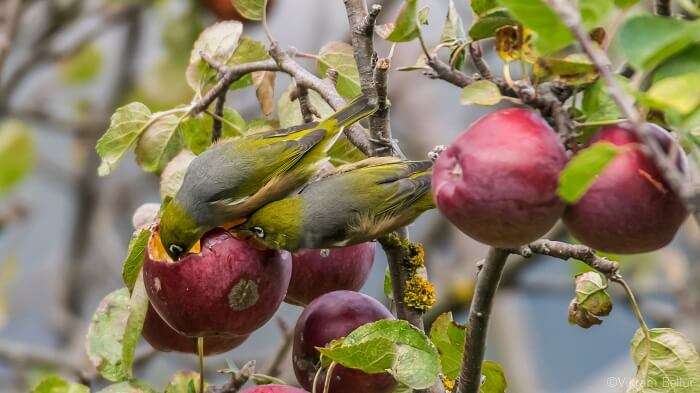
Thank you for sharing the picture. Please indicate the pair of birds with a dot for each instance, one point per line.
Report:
(245, 184)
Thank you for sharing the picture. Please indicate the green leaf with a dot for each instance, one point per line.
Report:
(580, 173)
(453, 36)
(551, 34)
(406, 25)
(131, 267)
(197, 130)
(115, 330)
(486, 26)
(648, 40)
(592, 295)
(251, 9)
(574, 69)
(83, 66)
(181, 382)
(249, 50)
(595, 12)
(138, 305)
(481, 92)
(683, 63)
(159, 143)
(56, 384)
(482, 7)
(219, 42)
(133, 386)
(679, 93)
(371, 356)
(388, 288)
(494, 378)
(126, 125)
(423, 15)
(105, 335)
(449, 338)
(174, 173)
(666, 362)
(415, 359)
(289, 111)
(17, 153)
(339, 56)
(625, 3)
(597, 105)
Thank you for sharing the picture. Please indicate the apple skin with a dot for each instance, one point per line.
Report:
(163, 338)
(228, 289)
(629, 208)
(330, 317)
(274, 389)
(316, 272)
(498, 181)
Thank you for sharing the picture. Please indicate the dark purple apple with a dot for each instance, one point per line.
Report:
(163, 338)
(315, 272)
(330, 317)
(229, 288)
(498, 181)
(274, 389)
(629, 208)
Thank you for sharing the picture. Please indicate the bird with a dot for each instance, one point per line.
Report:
(357, 202)
(236, 176)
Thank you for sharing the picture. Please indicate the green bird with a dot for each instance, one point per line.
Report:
(354, 204)
(235, 177)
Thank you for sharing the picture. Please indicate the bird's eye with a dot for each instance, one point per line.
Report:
(259, 232)
(175, 249)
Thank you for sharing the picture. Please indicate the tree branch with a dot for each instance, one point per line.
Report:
(362, 37)
(675, 179)
(219, 112)
(470, 377)
(566, 251)
(663, 7)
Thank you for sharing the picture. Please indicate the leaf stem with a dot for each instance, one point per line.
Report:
(600, 123)
(633, 303)
(200, 354)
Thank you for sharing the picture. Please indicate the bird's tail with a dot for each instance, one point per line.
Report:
(356, 110)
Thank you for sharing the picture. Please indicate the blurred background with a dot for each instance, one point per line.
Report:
(64, 231)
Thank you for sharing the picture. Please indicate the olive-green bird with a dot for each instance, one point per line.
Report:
(235, 177)
(356, 203)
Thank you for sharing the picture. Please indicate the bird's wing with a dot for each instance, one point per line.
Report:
(275, 158)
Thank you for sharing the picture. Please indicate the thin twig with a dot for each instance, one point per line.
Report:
(219, 114)
(675, 179)
(10, 18)
(308, 111)
(487, 282)
(274, 369)
(478, 61)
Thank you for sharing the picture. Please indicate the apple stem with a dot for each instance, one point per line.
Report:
(200, 354)
(316, 377)
(327, 382)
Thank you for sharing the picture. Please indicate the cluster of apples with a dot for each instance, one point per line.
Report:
(230, 289)
(498, 184)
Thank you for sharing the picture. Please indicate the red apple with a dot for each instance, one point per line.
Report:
(629, 208)
(315, 272)
(163, 338)
(274, 389)
(227, 289)
(330, 317)
(498, 181)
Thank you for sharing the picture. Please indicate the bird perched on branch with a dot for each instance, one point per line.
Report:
(356, 203)
(235, 177)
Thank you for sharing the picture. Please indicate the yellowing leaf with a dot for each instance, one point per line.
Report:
(219, 42)
(250, 9)
(679, 93)
(481, 93)
(666, 362)
(515, 43)
(56, 384)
